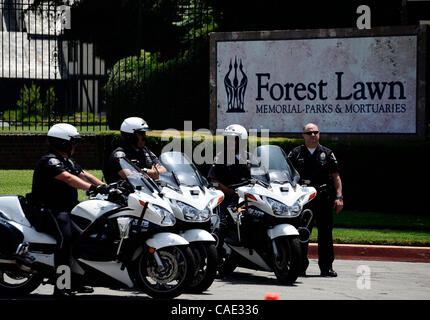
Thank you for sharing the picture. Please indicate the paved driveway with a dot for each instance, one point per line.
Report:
(357, 280)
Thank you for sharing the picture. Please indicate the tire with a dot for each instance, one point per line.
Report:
(18, 283)
(206, 259)
(168, 283)
(286, 266)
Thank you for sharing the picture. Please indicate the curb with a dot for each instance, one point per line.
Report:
(374, 252)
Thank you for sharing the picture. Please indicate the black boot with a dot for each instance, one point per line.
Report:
(63, 293)
(328, 273)
(82, 289)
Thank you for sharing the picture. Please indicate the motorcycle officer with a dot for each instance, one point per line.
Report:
(133, 131)
(230, 166)
(56, 179)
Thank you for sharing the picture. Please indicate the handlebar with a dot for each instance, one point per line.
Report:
(119, 187)
(246, 182)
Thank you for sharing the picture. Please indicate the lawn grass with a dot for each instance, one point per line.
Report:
(380, 220)
(350, 226)
(378, 237)
(20, 181)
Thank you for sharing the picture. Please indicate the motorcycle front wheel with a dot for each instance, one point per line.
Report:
(18, 283)
(286, 263)
(206, 259)
(171, 279)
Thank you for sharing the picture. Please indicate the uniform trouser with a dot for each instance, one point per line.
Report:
(223, 226)
(322, 210)
(63, 235)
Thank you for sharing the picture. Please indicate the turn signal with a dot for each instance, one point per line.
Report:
(250, 196)
(220, 200)
(311, 196)
(151, 250)
(142, 203)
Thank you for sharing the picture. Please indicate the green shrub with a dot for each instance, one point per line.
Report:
(30, 106)
(164, 93)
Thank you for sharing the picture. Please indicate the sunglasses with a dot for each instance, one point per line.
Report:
(309, 133)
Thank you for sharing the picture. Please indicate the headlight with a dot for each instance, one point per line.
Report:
(281, 209)
(193, 214)
(167, 218)
(295, 209)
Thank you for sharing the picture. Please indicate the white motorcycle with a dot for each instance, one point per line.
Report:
(119, 242)
(193, 204)
(261, 234)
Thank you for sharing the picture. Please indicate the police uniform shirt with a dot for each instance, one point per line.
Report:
(142, 158)
(229, 174)
(54, 193)
(317, 168)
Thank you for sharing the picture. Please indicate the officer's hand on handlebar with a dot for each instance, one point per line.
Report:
(102, 188)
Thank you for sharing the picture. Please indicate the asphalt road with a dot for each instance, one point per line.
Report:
(357, 280)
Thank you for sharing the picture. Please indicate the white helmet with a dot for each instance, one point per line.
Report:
(63, 131)
(134, 124)
(62, 136)
(236, 130)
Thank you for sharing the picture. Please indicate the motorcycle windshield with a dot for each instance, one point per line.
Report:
(180, 171)
(136, 178)
(270, 164)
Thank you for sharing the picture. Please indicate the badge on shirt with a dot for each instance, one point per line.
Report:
(53, 162)
(322, 156)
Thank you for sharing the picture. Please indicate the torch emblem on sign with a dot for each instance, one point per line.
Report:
(235, 89)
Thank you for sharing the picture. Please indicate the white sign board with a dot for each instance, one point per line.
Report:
(345, 85)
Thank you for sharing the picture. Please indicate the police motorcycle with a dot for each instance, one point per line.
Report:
(194, 204)
(122, 242)
(262, 233)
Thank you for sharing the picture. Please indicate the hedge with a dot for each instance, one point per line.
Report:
(383, 176)
(164, 93)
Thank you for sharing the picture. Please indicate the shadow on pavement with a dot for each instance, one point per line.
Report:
(242, 278)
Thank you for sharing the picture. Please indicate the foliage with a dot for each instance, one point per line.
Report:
(30, 106)
(122, 28)
(33, 108)
(164, 93)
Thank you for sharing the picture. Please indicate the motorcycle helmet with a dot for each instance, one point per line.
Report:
(62, 136)
(240, 138)
(132, 126)
(236, 130)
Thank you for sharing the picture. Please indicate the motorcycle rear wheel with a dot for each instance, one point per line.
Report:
(286, 265)
(18, 283)
(170, 282)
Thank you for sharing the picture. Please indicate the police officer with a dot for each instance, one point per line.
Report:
(56, 179)
(230, 167)
(133, 131)
(318, 167)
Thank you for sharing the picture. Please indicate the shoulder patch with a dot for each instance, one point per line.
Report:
(333, 157)
(119, 154)
(53, 162)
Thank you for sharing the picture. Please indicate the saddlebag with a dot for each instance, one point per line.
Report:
(10, 238)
